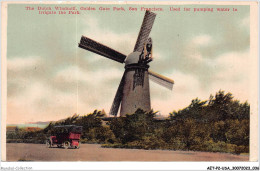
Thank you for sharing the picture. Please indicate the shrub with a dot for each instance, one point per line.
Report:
(177, 144)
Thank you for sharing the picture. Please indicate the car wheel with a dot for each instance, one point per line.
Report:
(77, 147)
(48, 143)
(66, 144)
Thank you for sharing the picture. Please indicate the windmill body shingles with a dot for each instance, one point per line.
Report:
(135, 97)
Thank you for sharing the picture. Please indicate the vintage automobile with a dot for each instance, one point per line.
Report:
(66, 136)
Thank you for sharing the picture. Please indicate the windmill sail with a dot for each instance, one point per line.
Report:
(161, 80)
(145, 30)
(96, 47)
(118, 98)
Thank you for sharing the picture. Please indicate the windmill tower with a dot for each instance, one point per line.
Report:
(133, 91)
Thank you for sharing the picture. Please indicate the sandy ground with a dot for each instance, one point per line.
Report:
(94, 152)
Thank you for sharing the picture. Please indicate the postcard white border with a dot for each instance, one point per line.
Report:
(254, 130)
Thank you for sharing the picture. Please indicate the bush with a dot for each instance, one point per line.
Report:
(116, 145)
(176, 144)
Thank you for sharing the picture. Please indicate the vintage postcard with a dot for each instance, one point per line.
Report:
(130, 81)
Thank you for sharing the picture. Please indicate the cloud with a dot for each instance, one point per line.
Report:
(74, 74)
(245, 22)
(21, 63)
(194, 48)
(201, 40)
(42, 102)
(234, 75)
(69, 74)
(235, 66)
(39, 102)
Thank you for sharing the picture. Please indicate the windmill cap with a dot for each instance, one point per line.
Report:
(132, 58)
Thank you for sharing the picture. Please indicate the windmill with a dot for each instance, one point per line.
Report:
(133, 91)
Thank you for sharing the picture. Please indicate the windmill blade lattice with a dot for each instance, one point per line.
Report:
(96, 47)
(144, 31)
(118, 97)
(161, 80)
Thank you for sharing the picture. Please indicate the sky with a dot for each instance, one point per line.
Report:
(50, 78)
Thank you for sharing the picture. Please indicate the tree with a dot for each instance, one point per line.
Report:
(69, 121)
(223, 107)
(219, 107)
(133, 127)
(91, 120)
(193, 111)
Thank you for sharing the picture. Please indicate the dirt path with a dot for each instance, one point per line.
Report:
(94, 152)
